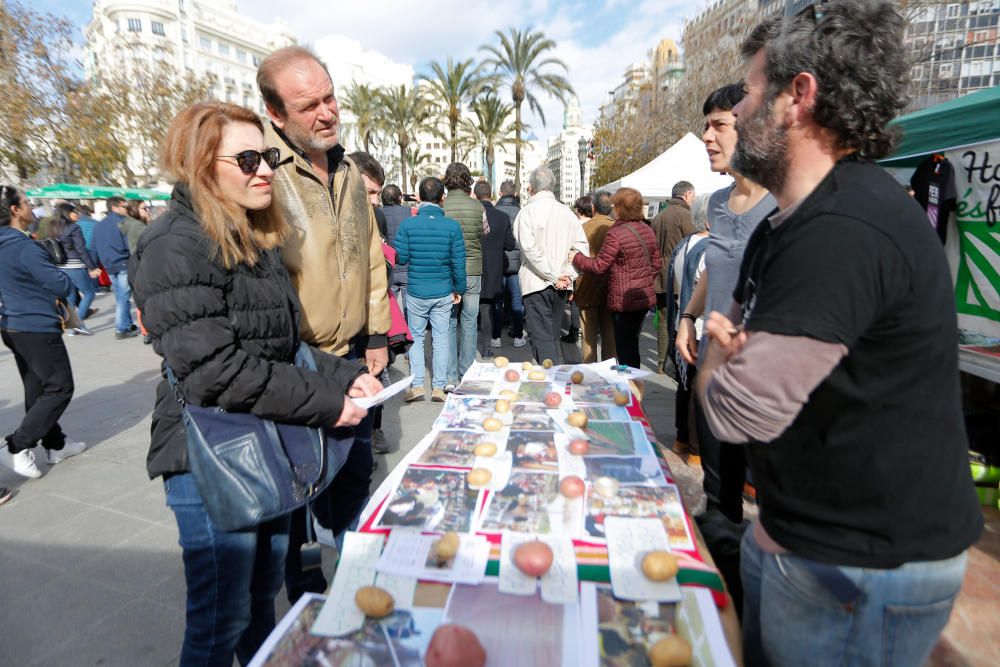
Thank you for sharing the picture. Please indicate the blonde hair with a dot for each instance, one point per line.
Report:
(189, 153)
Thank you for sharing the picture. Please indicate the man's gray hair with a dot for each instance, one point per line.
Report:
(681, 188)
(699, 213)
(541, 179)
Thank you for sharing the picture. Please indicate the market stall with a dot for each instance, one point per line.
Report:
(539, 516)
(954, 149)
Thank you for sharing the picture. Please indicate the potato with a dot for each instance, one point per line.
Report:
(527, 366)
(606, 487)
(547, 363)
(533, 558)
(577, 377)
(375, 602)
(479, 477)
(579, 447)
(492, 424)
(577, 419)
(485, 449)
(447, 546)
(454, 646)
(536, 376)
(502, 405)
(671, 651)
(659, 566)
(500, 362)
(553, 399)
(572, 487)
(511, 375)
(621, 399)
(509, 394)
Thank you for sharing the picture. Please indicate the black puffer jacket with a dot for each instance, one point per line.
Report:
(229, 335)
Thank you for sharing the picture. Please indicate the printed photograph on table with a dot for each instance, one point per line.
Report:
(530, 503)
(617, 439)
(475, 388)
(531, 417)
(533, 392)
(408, 632)
(606, 413)
(626, 469)
(431, 499)
(465, 412)
(627, 630)
(641, 502)
(599, 394)
(534, 450)
(455, 448)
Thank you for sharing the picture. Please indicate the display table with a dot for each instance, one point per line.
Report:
(983, 362)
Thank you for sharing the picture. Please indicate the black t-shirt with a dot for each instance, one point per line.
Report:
(933, 184)
(873, 471)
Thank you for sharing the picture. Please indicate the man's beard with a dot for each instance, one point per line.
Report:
(308, 141)
(762, 149)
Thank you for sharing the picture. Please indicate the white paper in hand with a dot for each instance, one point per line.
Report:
(368, 402)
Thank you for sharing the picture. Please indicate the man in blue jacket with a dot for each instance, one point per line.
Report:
(111, 248)
(434, 248)
(31, 326)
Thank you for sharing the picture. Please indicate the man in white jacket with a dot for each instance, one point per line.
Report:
(546, 230)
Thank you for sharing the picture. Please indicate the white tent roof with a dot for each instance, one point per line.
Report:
(684, 161)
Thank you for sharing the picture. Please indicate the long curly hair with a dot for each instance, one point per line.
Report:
(855, 50)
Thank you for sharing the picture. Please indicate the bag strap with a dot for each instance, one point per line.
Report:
(645, 250)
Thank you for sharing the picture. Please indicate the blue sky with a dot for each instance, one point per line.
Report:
(596, 39)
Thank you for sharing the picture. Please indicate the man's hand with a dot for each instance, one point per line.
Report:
(377, 359)
(95, 274)
(724, 340)
(456, 298)
(351, 415)
(365, 385)
(563, 283)
(687, 341)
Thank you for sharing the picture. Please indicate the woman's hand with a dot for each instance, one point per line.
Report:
(687, 341)
(351, 415)
(365, 385)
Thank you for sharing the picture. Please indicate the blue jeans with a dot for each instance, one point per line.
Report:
(513, 283)
(418, 312)
(85, 285)
(460, 358)
(232, 579)
(790, 618)
(123, 305)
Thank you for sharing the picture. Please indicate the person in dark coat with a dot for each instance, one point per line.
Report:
(631, 254)
(511, 205)
(496, 244)
(395, 213)
(670, 225)
(31, 327)
(111, 248)
(79, 267)
(223, 315)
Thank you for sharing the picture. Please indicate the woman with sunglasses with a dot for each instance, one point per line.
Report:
(31, 327)
(222, 313)
(79, 266)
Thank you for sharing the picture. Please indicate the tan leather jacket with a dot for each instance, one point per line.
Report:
(334, 254)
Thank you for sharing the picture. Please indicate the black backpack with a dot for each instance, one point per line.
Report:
(55, 249)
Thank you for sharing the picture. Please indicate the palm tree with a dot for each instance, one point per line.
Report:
(364, 102)
(454, 85)
(414, 160)
(406, 112)
(490, 129)
(519, 62)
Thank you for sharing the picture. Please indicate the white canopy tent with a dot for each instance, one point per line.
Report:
(684, 161)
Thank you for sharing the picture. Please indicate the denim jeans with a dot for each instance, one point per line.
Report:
(418, 312)
(232, 579)
(399, 291)
(123, 304)
(512, 283)
(85, 285)
(461, 355)
(789, 618)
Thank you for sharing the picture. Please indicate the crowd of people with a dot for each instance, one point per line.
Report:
(804, 311)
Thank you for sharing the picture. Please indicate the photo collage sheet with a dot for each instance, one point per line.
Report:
(514, 423)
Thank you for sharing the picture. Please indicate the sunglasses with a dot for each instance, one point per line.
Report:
(248, 161)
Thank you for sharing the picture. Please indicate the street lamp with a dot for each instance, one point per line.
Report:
(582, 154)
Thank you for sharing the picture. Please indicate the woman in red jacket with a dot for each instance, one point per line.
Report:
(631, 253)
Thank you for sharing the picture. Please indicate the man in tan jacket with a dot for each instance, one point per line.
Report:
(670, 226)
(334, 256)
